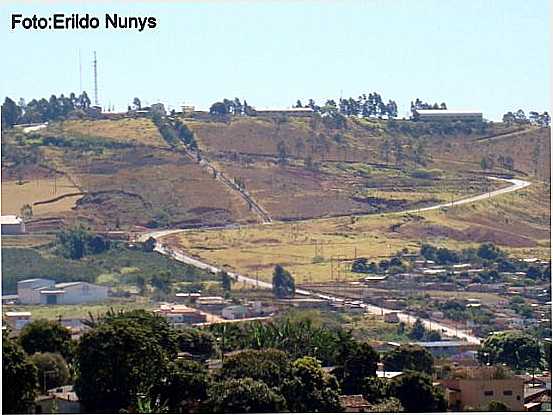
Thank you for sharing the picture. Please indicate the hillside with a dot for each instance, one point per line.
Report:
(122, 173)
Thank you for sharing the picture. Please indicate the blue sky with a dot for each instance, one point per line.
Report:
(488, 55)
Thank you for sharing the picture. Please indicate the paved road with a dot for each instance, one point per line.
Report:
(404, 317)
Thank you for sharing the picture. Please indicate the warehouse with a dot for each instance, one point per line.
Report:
(446, 115)
(12, 225)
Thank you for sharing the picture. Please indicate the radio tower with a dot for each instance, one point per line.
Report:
(95, 80)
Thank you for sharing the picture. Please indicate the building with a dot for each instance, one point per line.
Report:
(62, 400)
(177, 314)
(44, 291)
(17, 319)
(234, 312)
(288, 112)
(446, 115)
(12, 225)
(477, 387)
(354, 403)
(446, 348)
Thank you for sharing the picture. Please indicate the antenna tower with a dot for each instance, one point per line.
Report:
(95, 80)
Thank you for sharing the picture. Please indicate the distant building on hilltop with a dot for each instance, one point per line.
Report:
(446, 115)
(12, 225)
(284, 112)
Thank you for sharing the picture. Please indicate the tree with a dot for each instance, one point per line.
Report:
(26, 211)
(408, 357)
(226, 280)
(418, 330)
(52, 370)
(73, 241)
(390, 405)
(137, 104)
(518, 350)
(283, 283)
(184, 386)
(123, 356)
(218, 109)
(497, 406)
(358, 365)
(416, 393)
(282, 153)
(200, 344)
(149, 245)
(243, 396)
(269, 366)
(41, 336)
(10, 113)
(374, 389)
(310, 388)
(19, 378)
(489, 251)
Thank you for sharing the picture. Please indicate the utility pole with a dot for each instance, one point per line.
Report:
(95, 80)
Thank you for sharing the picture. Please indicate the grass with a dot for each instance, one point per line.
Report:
(258, 248)
(15, 195)
(118, 266)
(53, 312)
(133, 130)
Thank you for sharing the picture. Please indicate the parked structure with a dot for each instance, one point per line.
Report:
(17, 319)
(45, 291)
(12, 225)
(446, 115)
(477, 387)
(178, 314)
(288, 112)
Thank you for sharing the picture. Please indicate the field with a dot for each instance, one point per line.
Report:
(127, 130)
(46, 196)
(313, 250)
(118, 267)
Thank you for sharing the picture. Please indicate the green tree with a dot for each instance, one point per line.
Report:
(269, 366)
(497, 406)
(408, 357)
(42, 336)
(390, 405)
(310, 388)
(283, 283)
(10, 113)
(199, 343)
(52, 370)
(218, 108)
(243, 396)
(417, 394)
(122, 357)
(19, 378)
(516, 349)
(149, 245)
(374, 389)
(418, 330)
(359, 364)
(73, 242)
(184, 385)
(226, 280)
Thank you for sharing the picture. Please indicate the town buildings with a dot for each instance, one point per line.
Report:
(46, 291)
(446, 115)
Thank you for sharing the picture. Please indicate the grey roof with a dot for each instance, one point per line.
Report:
(447, 112)
(69, 284)
(443, 343)
(34, 280)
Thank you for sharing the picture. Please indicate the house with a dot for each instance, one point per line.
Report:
(17, 319)
(444, 348)
(287, 112)
(177, 314)
(391, 318)
(305, 302)
(234, 312)
(44, 291)
(354, 403)
(63, 400)
(476, 387)
(212, 304)
(12, 225)
(446, 115)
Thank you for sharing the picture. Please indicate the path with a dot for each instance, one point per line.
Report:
(180, 256)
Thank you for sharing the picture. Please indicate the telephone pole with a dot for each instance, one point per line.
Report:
(95, 80)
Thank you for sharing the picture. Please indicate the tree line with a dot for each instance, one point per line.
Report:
(42, 110)
(535, 118)
(366, 106)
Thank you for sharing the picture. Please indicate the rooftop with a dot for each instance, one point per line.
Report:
(10, 220)
(447, 112)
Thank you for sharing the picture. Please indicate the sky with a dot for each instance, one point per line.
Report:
(485, 55)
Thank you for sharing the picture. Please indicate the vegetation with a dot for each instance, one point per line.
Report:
(517, 349)
(19, 378)
(43, 336)
(408, 357)
(283, 283)
(52, 370)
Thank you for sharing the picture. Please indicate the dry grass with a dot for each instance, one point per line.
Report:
(15, 195)
(139, 130)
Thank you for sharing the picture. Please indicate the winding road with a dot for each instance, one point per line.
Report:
(516, 184)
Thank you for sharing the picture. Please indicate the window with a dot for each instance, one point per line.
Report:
(507, 393)
(518, 397)
(488, 393)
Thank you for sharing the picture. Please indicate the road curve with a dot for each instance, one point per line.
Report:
(180, 256)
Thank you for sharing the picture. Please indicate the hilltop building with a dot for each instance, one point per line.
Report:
(45, 291)
(284, 112)
(446, 115)
(12, 225)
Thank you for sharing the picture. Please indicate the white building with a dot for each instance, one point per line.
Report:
(43, 291)
(17, 319)
(12, 225)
